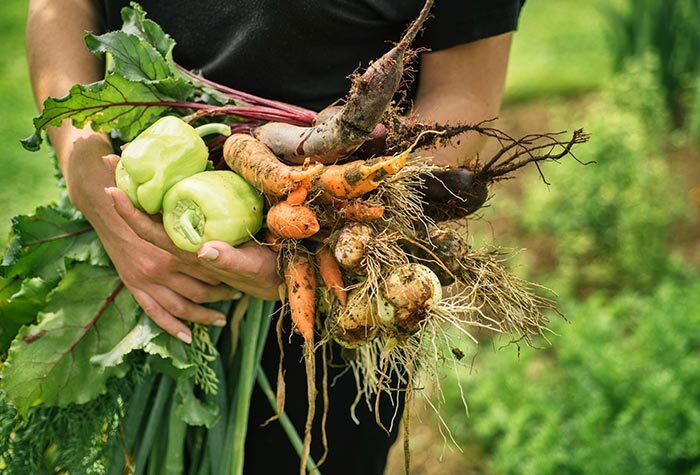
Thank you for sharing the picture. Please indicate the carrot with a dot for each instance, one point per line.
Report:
(329, 269)
(300, 278)
(359, 211)
(341, 134)
(298, 196)
(354, 179)
(251, 159)
(301, 292)
(292, 221)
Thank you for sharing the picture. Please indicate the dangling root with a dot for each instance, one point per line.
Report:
(377, 398)
(406, 431)
(326, 406)
(505, 300)
(310, 363)
(402, 196)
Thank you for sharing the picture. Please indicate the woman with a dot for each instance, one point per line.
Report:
(295, 51)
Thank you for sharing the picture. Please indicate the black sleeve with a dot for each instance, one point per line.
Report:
(461, 21)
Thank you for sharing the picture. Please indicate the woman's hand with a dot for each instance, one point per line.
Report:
(170, 285)
(250, 268)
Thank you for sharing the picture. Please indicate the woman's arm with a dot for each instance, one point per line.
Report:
(463, 84)
(167, 283)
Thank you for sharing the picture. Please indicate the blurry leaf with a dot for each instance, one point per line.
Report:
(616, 394)
(194, 411)
(20, 302)
(114, 103)
(149, 337)
(138, 61)
(49, 363)
(41, 243)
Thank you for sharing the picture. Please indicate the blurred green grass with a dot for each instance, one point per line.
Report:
(27, 178)
(559, 51)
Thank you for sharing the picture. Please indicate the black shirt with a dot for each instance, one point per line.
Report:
(302, 51)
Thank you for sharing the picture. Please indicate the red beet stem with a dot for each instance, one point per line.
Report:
(304, 115)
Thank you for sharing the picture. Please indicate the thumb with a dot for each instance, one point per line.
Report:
(243, 261)
(219, 254)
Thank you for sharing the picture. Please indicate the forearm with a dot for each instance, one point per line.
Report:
(463, 84)
(57, 59)
(56, 53)
(450, 108)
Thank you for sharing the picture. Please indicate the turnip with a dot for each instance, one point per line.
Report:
(350, 247)
(413, 290)
(356, 323)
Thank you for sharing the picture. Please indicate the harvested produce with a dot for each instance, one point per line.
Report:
(331, 274)
(292, 221)
(350, 246)
(212, 206)
(355, 324)
(412, 289)
(163, 154)
(261, 168)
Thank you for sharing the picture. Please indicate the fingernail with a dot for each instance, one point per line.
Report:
(185, 337)
(237, 296)
(220, 323)
(108, 164)
(208, 253)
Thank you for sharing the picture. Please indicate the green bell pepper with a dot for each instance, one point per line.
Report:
(212, 205)
(163, 154)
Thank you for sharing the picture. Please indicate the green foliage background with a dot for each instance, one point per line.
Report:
(26, 179)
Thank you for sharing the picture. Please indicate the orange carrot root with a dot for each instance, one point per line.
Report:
(360, 212)
(292, 222)
(300, 277)
(255, 162)
(329, 269)
(272, 241)
(298, 196)
(310, 363)
(354, 179)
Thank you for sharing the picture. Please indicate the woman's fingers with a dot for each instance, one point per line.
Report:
(184, 309)
(139, 221)
(151, 230)
(162, 317)
(250, 268)
(200, 292)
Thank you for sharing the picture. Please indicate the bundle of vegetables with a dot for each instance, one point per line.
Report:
(353, 209)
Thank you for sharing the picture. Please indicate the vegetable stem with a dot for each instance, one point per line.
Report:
(154, 423)
(174, 454)
(250, 331)
(213, 128)
(131, 424)
(188, 228)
